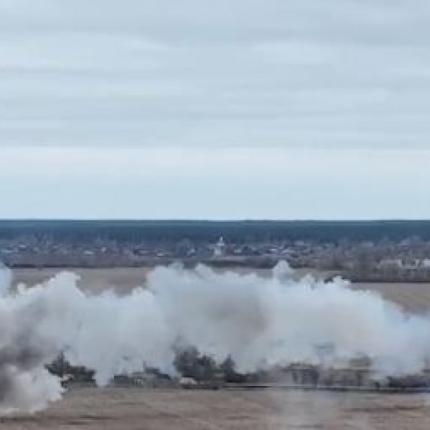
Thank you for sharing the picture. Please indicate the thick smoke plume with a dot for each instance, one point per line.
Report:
(258, 322)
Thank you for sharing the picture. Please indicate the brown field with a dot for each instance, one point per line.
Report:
(160, 409)
(413, 297)
(143, 409)
(94, 280)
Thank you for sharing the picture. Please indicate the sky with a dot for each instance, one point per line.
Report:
(244, 109)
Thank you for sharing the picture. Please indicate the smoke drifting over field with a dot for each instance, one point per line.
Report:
(258, 322)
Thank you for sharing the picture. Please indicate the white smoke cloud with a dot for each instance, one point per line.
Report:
(258, 322)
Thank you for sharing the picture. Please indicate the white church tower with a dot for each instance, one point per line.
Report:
(219, 248)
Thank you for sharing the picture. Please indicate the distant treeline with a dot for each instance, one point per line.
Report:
(201, 231)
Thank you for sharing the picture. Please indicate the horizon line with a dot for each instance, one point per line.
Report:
(219, 220)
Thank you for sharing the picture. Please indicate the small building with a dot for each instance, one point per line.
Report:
(219, 248)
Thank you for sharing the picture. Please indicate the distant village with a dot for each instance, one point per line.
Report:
(384, 260)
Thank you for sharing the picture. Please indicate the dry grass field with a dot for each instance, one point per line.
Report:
(121, 280)
(413, 297)
(142, 409)
(159, 409)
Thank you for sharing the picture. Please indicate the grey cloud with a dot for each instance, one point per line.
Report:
(230, 73)
(251, 20)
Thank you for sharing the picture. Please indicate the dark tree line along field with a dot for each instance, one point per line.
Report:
(204, 231)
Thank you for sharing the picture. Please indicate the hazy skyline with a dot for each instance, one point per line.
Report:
(281, 109)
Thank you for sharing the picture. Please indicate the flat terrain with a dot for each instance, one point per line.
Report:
(159, 409)
(134, 408)
(121, 280)
(413, 297)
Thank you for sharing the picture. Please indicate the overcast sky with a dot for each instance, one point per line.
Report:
(219, 109)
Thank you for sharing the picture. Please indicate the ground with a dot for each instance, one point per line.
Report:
(144, 409)
(159, 409)
(413, 297)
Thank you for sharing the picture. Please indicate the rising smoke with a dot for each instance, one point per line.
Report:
(258, 322)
